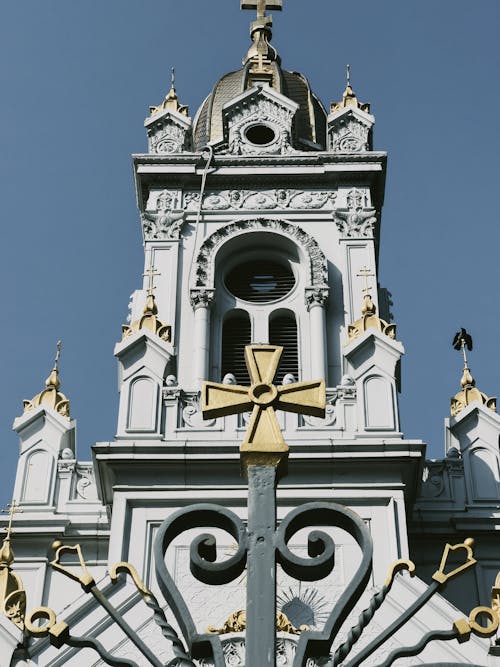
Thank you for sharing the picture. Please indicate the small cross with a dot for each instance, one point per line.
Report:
(365, 273)
(263, 443)
(348, 74)
(13, 508)
(151, 273)
(261, 6)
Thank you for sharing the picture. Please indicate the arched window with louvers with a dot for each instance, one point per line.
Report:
(283, 331)
(236, 333)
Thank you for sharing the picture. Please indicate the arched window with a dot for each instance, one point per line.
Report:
(283, 331)
(236, 333)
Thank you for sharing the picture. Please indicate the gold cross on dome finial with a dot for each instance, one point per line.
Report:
(261, 6)
(365, 273)
(150, 274)
(263, 443)
(12, 508)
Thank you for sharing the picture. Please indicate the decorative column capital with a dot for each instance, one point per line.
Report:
(201, 297)
(316, 296)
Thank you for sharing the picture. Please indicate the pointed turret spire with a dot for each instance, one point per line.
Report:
(349, 98)
(51, 396)
(462, 341)
(261, 54)
(369, 318)
(149, 320)
(171, 100)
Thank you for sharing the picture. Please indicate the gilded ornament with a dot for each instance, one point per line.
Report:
(51, 396)
(237, 622)
(171, 101)
(263, 443)
(149, 319)
(469, 392)
(12, 593)
(369, 318)
(349, 98)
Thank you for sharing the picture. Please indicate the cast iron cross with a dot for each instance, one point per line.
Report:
(365, 273)
(263, 443)
(261, 6)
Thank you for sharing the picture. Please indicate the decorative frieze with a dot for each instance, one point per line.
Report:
(280, 198)
(191, 415)
(164, 224)
(85, 488)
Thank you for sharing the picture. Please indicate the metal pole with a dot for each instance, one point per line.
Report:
(261, 576)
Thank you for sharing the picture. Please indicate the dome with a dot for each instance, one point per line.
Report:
(262, 69)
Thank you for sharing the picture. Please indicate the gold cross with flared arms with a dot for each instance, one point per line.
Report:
(261, 6)
(263, 443)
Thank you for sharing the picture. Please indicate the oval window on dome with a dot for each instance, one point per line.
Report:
(260, 282)
(260, 135)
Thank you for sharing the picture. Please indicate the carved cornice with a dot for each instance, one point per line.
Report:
(205, 262)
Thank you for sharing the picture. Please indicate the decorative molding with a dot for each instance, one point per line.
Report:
(85, 488)
(205, 262)
(316, 296)
(432, 479)
(357, 220)
(349, 135)
(265, 108)
(261, 199)
(191, 412)
(168, 133)
(166, 223)
(66, 465)
(201, 298)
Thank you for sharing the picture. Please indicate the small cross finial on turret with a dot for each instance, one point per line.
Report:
(172, 77)
(365, 273)
(348, 74)
(150, 274)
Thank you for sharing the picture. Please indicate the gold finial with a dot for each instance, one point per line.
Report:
(263, 443)
(462, 341)
(6, 553)
(369, 318)
(349, 98)
(171, 100)
(261, 54)
(12, 594)
(149, 319)
(51, 396)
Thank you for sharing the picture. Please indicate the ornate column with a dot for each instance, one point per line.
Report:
(316, 298)
(201, 300)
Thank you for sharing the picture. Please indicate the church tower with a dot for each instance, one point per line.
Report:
(261, 217)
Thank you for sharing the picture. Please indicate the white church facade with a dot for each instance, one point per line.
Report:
(261, 223)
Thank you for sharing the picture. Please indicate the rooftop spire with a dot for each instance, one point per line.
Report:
(349, 98)
(149, 320)
(261, 53)
(369, 318)
(462, 341)
(51, 396)
(171, 100)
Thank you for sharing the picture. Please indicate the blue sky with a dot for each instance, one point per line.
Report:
(77, 79)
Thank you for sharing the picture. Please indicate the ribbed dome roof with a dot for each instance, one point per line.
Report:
(310, 119)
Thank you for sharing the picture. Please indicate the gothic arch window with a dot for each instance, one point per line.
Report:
(283, 331)
(236, 333)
